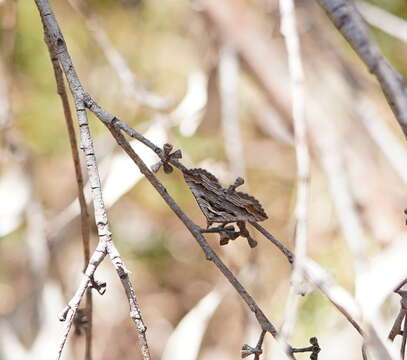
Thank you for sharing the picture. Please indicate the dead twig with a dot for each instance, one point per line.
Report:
(314, 349)
(247, 350)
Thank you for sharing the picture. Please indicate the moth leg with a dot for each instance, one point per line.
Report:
(245, 233)
(217, 229)
(226, 233)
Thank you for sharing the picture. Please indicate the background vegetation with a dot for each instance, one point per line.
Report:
(176, 50)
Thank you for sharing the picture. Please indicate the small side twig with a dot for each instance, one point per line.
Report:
(397, 325)
(287, 253)
(314, 349)
(247, 350)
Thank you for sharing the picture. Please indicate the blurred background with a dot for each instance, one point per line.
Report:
(210, 77)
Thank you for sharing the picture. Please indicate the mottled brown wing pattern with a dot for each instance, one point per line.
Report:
(220, 205)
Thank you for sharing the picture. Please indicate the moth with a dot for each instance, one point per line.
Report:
(220, 205)
(224, 205)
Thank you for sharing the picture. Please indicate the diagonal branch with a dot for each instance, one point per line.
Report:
(347, 19)
(265, 324)
(339, 297)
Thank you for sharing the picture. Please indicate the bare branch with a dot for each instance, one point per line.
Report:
(287, 253)
(85, 226)
(69, 312)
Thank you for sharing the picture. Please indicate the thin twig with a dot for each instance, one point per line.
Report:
(289, 31)
(85, 226)
(69, 312)
(347, 19)
(287, 253)
(248, 350)
(57, 46)
(259, 344)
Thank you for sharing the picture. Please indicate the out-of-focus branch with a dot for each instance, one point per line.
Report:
(8, 28)
(328, 144)
(57, 46)
(85, 226)
(228, 85)
(132, 89)
(320, 278)
(247, 350)
(347, 19)
(383, 20)
(228, 18)
(290, 33)
(382, 134)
